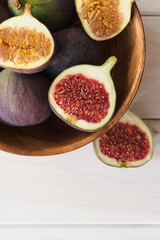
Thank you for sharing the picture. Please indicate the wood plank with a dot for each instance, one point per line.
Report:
(77, 188)
(148, 7)
(81, 233)
(147, 101)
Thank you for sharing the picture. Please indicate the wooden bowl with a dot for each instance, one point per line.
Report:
(54, 136)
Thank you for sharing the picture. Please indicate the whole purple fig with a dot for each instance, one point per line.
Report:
(73, 47)
(23, 98)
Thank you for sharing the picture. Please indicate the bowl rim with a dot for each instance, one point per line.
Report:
(92, 136)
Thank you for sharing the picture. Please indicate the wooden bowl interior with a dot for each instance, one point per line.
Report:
(54, 136)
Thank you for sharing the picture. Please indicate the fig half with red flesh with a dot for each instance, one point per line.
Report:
(26, 45)
(84, 95)
(104, 19)
(128, 143)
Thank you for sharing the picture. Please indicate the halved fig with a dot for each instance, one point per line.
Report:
(84, 96)
(104, 19)
(23, 98)
(26, 45)
(128, 143)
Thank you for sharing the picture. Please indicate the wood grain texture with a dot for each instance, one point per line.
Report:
(55, 136)
(147, 101)
(80, 233)
(77, 188)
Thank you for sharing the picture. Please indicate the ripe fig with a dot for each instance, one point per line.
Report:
(84, 95)
(128, 143)
(23, 98)
(26, 45)
(73, 47)
(104, 19)
(55, 14)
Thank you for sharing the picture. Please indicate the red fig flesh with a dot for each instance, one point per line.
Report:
(84, 95)
(128, 143)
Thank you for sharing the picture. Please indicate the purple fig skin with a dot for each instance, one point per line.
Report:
(23, 98)
(73, 47)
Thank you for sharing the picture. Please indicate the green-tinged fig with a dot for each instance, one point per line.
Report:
(74, 47)
(128, 143)
(23, 98)
(84, 95)
(55, 14)
(104, 19)
(26, 45)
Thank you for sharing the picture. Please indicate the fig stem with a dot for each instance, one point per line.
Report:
(17, 4)
(27, 9)
(109, 64)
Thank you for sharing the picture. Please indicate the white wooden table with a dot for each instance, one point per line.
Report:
(75, 195)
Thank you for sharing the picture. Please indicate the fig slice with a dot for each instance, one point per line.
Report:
(26, 45)
(104, 19)
(128, 143)
(84, 95)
